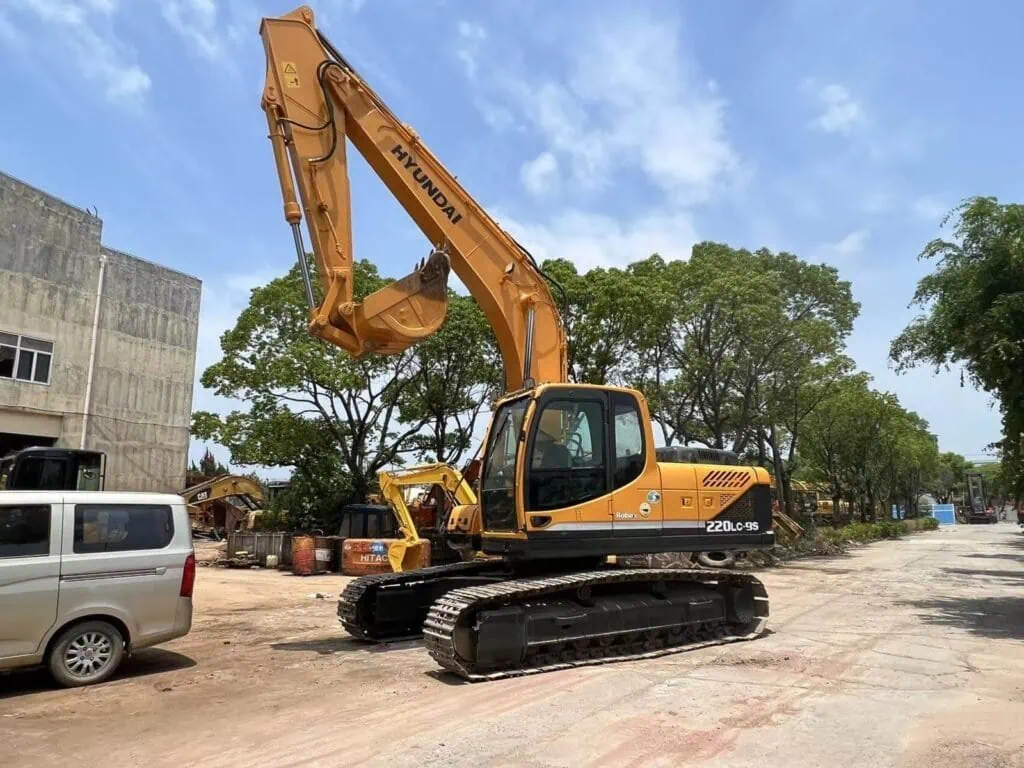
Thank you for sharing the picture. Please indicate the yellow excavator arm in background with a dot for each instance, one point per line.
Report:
(201, 498)
(405, 553)
(314, 100)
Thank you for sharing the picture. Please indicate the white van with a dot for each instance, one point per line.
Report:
(87, 577)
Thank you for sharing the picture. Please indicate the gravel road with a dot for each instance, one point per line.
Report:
(904, 653)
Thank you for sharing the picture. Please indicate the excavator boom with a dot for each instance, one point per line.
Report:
(314, 100)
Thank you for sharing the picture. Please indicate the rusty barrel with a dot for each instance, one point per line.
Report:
(303, 555)
(324, 549)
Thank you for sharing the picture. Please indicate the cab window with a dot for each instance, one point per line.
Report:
(567, 463)
(43, 474)
(629, 439)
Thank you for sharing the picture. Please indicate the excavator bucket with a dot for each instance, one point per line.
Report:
(405, 556)
(407, 310)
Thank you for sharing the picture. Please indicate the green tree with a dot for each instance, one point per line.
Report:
(210, 467)
(456, 373)
(311, 405)
(599, 313)
(949, 478)
(973, 313)
(870, 451)
(732, 335)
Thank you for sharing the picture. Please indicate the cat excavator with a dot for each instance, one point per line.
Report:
(569, 471)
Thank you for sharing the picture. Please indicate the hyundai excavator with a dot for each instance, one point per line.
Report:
(569, 471)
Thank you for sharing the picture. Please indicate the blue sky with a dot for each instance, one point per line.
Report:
(600, 131)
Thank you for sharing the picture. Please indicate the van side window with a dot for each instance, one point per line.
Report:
(25, 530)
(122, 527)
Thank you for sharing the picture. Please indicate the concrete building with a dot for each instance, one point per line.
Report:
(97, 347)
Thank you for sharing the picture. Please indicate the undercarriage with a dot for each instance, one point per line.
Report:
(483, 620)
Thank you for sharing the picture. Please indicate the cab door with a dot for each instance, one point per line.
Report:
(637, 506)
(567, 477)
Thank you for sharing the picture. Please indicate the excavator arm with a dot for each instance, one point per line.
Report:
(405, 553)
(314, 100)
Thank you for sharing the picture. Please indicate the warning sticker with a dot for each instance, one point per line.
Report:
(291, 74)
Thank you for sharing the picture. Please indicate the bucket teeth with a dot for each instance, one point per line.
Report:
(435, 266)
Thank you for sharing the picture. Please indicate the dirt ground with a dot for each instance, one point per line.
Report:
(906, 653)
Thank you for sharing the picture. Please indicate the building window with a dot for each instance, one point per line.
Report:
(25, 359)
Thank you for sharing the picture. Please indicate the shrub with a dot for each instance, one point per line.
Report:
(882, 529)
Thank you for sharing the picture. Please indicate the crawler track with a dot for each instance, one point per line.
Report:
(356, 606)
(453, 615)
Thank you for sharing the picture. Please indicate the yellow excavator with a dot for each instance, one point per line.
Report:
(407, 552)
(569, 471)
(218, 505)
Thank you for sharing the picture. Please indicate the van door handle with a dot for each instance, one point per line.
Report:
(161, 570)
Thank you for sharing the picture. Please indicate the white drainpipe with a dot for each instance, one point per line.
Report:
(92, 350)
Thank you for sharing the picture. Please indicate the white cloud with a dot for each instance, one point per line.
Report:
(630, 100)
(930, 208)
(196, 21)
(839, 112)
(540, 175)
(98, 55)
(103, 6)
(878, 201)
(496, 116)
(467, 47)
(849, 246)
(594, 240)
(352, 6)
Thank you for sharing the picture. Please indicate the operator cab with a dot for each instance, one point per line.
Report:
(53, 469)
(572, 434)
(571, 471)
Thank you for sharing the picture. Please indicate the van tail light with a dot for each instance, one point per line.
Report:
(188, 576)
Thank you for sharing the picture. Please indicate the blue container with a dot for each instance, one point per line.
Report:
(944, 513)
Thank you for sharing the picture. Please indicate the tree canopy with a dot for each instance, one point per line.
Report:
(732, 348)
(314, 407)
(973, 312)
(868, 448)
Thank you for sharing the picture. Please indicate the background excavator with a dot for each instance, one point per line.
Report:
(417, 536)
(223, 504)
(569, 471)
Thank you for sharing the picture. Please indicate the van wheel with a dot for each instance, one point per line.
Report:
(717, 559)
(86, 654)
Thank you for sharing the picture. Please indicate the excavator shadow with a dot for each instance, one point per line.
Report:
(328, 646)
(448, 678)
